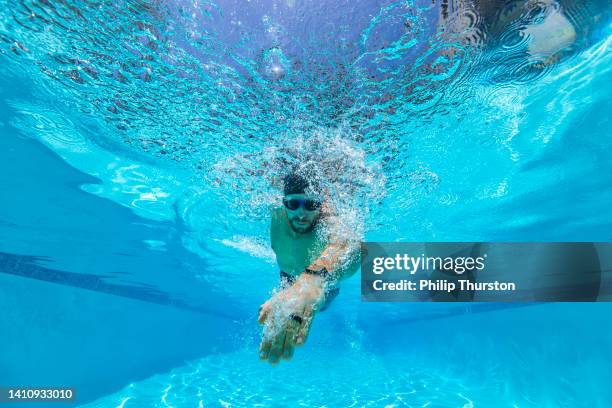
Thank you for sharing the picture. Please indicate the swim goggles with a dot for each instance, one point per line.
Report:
(295, 203)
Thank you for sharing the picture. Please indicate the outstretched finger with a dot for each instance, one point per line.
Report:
(289, 347)
(264, 349)
(276, 350)
(304, 329)
(263, 312)
(293, 326)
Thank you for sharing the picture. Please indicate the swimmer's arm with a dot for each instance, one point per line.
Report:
(334, 258)
(276, 214)
(340, 254)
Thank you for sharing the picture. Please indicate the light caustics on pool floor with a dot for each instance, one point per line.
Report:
(506, 359)
(239, 379)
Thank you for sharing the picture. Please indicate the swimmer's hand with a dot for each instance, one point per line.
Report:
(287, 317)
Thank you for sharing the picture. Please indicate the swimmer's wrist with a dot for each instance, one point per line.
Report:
(312, 279)
(314, 282)
(320, 271)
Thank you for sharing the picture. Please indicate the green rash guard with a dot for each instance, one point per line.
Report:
(294, 251)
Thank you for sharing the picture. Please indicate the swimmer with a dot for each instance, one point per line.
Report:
(312, 259)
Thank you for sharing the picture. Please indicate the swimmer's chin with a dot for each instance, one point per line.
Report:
(301, 227)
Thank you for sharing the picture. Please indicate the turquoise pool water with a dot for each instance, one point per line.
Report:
(142, 143)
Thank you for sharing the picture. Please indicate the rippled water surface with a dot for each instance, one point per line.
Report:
(431, 120)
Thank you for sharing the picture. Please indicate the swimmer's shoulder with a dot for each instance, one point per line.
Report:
(276, 221)
(277, 214)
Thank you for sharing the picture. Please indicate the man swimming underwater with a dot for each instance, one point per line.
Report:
(313, 256)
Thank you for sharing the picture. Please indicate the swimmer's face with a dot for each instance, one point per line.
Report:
(302, 211)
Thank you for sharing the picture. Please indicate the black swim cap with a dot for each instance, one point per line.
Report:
(302, 180)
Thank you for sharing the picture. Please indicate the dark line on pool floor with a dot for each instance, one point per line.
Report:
(27, 266)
